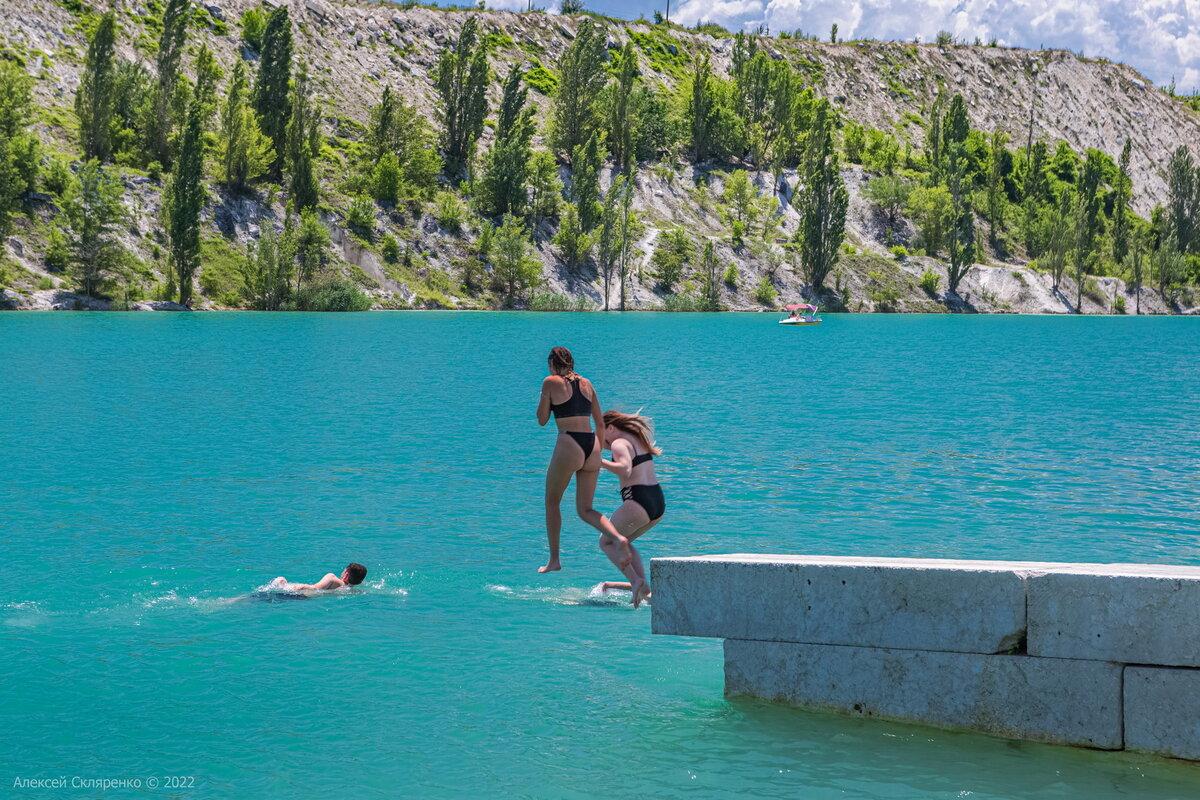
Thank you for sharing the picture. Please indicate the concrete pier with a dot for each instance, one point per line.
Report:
(1095, 655)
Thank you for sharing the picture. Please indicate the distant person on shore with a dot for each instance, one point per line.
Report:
(631, 439)
(572, 400)
(352, 575)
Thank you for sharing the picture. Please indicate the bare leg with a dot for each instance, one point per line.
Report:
(566, 460)
(631, 520)
(585, 495)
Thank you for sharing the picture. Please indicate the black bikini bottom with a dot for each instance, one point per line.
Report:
(649, 497)
(585, 440)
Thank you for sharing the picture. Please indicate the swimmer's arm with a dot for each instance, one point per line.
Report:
(622, 460)
(543, 409)
(609, 586)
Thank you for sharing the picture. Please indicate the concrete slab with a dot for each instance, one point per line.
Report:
(1162, 711)
(1134, 613)
(1048, 700)
(918, 604)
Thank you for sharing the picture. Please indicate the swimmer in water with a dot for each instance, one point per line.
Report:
(352, 575)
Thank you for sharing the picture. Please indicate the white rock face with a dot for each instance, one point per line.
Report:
(1162, 711)
(1062, 702)
(1139, 614)
(915, 604)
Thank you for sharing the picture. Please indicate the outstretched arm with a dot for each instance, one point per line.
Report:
(543, 409)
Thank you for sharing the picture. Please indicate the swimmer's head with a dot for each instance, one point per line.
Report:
(354, 573)
(561, 362)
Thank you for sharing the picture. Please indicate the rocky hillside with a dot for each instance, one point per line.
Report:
(355, 48)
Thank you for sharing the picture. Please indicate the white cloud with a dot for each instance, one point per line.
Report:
(1159, 37)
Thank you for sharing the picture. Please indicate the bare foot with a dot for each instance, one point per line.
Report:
(645, 593)
(638, 587)
(553, 566)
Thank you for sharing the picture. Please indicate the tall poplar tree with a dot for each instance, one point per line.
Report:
(94, 100)
(575, 115)
(822, 200)
(461, 78)
(303, 144)
(171, 43)
(271, 99)
(620, 128)
(185, 193)
(1122, 193)
(585, 182)
(245, 151)
(1087, 220)
(502, 186)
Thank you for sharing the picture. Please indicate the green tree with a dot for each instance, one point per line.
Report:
(575, 117)
(271, 100)
(461, 78)
(545, 187)
(672, 253)
(573, 243)
(890, 194)
(171, 43)
(244, 150)
(585, 182)
(515, 269)
(1183, 199)
(401, 151)
(94, 100)
(185, 194)
(93, 209)
(608, 236)
(1122, 193)
(18, 148)
(630, 229)
(933, 138)
(702, 111)
(1137, 267)
(309, 246)
(932, 208)
(620, 120)
(822, 203)
(502, 187)
(1058, 237)
(1087, 220)
(961, 238)
(997, 162)
(254, 26)
(710, 279)
(267, 272)
(303, 144)
(740, 198)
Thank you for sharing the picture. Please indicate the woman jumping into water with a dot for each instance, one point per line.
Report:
(631, 439)
(571, 398)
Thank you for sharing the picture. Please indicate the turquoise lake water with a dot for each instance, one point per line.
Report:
(155, 465)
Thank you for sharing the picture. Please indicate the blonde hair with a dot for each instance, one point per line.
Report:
(562, 363)
(635, 425)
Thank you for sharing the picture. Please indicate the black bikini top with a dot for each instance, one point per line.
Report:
(643, 458)
(574, 406)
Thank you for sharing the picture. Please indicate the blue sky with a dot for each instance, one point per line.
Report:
(1159, 37)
